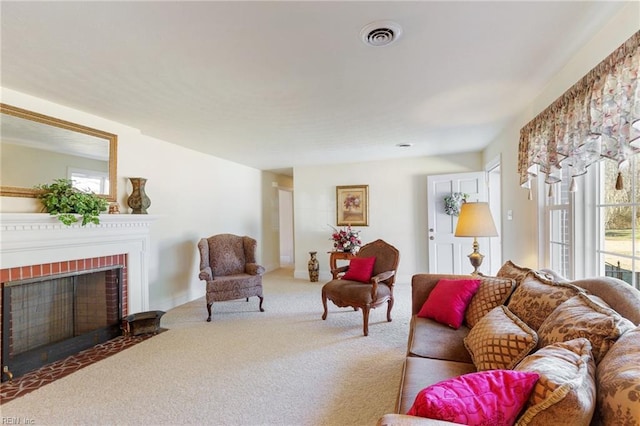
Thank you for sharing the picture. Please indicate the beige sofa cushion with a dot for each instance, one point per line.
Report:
(499, 340)
(618, 379)
(430, 339)
(583, 316)
(493, 291)
(536, 297)
(566, 391)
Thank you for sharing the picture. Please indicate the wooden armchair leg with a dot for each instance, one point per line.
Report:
(209, 311)
(389, 307)
(365, 319)
(261, 300)
(324, 305)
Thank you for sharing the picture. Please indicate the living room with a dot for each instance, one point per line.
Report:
(194, 195)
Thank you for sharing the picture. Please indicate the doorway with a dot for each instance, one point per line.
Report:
(448, 253)
(495, 205)
(285, 208)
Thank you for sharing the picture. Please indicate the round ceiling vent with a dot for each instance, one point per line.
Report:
(380, 33)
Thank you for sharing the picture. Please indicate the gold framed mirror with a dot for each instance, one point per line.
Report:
(37, 149)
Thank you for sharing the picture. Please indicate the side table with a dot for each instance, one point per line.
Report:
(334, 256)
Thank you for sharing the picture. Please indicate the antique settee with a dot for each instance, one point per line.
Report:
(581, 337)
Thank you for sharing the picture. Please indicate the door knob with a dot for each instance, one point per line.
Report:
(430, 229)
(431, 237)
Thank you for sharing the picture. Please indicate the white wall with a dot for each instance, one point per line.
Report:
(397, 206)
(520, 235)
(195, 195)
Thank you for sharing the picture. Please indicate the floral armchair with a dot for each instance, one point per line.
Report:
(228, 266)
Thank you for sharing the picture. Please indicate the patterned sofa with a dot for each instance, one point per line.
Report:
(578, 336)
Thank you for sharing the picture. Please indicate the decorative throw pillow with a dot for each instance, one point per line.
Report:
(487, 398)
(618, 380)
(566, 391)
(493, 292)
(582, 316)
(360, 269)
(448, 301)
(536, 297)
(511, 270)
(500, 340)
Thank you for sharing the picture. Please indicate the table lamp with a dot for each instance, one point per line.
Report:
(475, 221)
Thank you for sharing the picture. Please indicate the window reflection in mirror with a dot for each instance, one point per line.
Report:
(37, 149)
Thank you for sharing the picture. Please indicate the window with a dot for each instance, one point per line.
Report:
(618, 213)
(596, 230)
(558, 229)
(90, 180)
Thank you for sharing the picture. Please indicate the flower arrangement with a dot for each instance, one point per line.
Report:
(453, 202)
(346, 239)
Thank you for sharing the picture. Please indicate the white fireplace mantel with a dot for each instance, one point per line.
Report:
(38, 238)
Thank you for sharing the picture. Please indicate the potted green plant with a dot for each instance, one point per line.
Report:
(61, 199)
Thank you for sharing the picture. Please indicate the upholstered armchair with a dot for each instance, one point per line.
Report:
(228, 266)
(366, 283)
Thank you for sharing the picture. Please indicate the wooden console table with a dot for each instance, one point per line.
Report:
(334, 256)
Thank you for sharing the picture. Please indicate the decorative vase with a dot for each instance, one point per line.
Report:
(138, 200)
(314, 267)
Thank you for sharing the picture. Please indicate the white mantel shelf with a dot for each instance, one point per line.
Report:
(39, 238)
(10, 220)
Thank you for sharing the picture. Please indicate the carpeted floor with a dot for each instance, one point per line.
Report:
(282, 367)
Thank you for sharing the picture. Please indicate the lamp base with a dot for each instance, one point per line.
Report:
(476, 258)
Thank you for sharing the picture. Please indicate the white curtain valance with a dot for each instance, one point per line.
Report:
(598, 117)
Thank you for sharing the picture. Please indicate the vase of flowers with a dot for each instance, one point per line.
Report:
(346, 240)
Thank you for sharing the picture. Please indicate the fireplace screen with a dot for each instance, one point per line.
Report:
(58, 316)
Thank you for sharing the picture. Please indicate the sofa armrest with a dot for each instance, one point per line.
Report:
(405, 420)
(422, 284)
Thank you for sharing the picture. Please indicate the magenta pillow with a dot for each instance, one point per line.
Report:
(360, 269)
(493, 397)
(448, 301)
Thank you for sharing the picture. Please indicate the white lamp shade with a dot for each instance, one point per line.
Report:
(475, 220)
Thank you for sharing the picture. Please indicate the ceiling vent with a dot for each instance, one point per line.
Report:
(380, 33)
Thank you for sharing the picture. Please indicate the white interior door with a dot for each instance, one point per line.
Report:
(447, 253)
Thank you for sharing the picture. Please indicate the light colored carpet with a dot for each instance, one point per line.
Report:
(282, 367)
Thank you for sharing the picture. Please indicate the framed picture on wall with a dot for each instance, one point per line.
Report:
(352, 205)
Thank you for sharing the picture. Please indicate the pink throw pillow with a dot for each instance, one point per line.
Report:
(493, 397)
(448, 301)
(360, 269)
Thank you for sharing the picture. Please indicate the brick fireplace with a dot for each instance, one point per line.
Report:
(36, 246)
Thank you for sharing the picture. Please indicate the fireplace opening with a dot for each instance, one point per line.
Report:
(49, 318)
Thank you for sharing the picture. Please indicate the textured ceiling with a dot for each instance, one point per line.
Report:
(275, 85)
